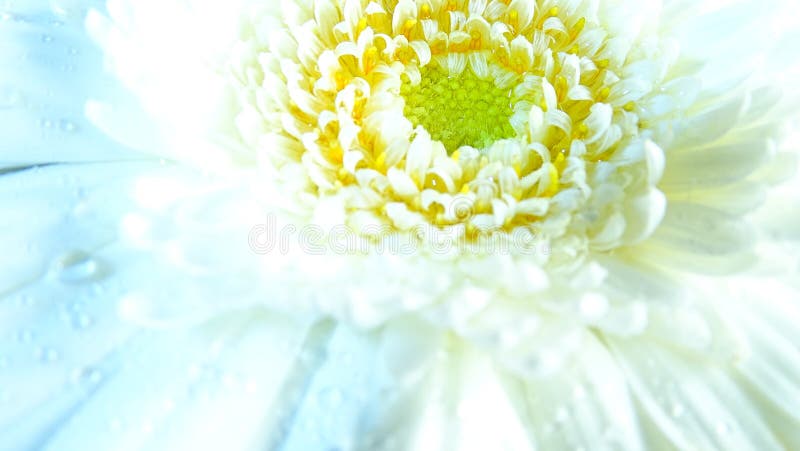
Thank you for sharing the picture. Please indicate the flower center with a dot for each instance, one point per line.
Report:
(469, 116)
(458, 110)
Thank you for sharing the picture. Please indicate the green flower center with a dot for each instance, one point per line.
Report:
(460, 110)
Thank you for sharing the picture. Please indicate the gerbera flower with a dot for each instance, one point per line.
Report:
(414, 224)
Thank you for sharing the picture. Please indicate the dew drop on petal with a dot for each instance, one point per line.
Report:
(67, 126)
(24, 301)
(9, 97)
(24, 336)
(67, 8)
(77, 267)
(87, 376)
(46, 354)
(81, 321)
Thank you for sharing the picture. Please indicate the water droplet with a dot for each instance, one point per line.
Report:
(81, 321)
(87, 376)
(9, 97)
(47, 38)
(24, 300)
(676, 410)
(24, 336)
(72, 9)
(46, 123)
(77, 267)
(47, 355)
(67, 126)
(98, 289)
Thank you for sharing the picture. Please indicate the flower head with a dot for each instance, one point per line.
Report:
(435, 209)
(466, 116)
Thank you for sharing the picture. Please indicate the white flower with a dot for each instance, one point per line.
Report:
(430, 224)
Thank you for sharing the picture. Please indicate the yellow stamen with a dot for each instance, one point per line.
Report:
(560, 162)
(577, 28)
(380, 162)
(561, 87)
(362, 25)
(371, 59)
(476, 42)
(335, 153)
(425, 11)
(408, 27)
(554, 185)
(438, 47)
(513, 18)
(581, 131)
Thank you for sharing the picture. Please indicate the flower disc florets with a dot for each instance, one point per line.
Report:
(477, 116)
